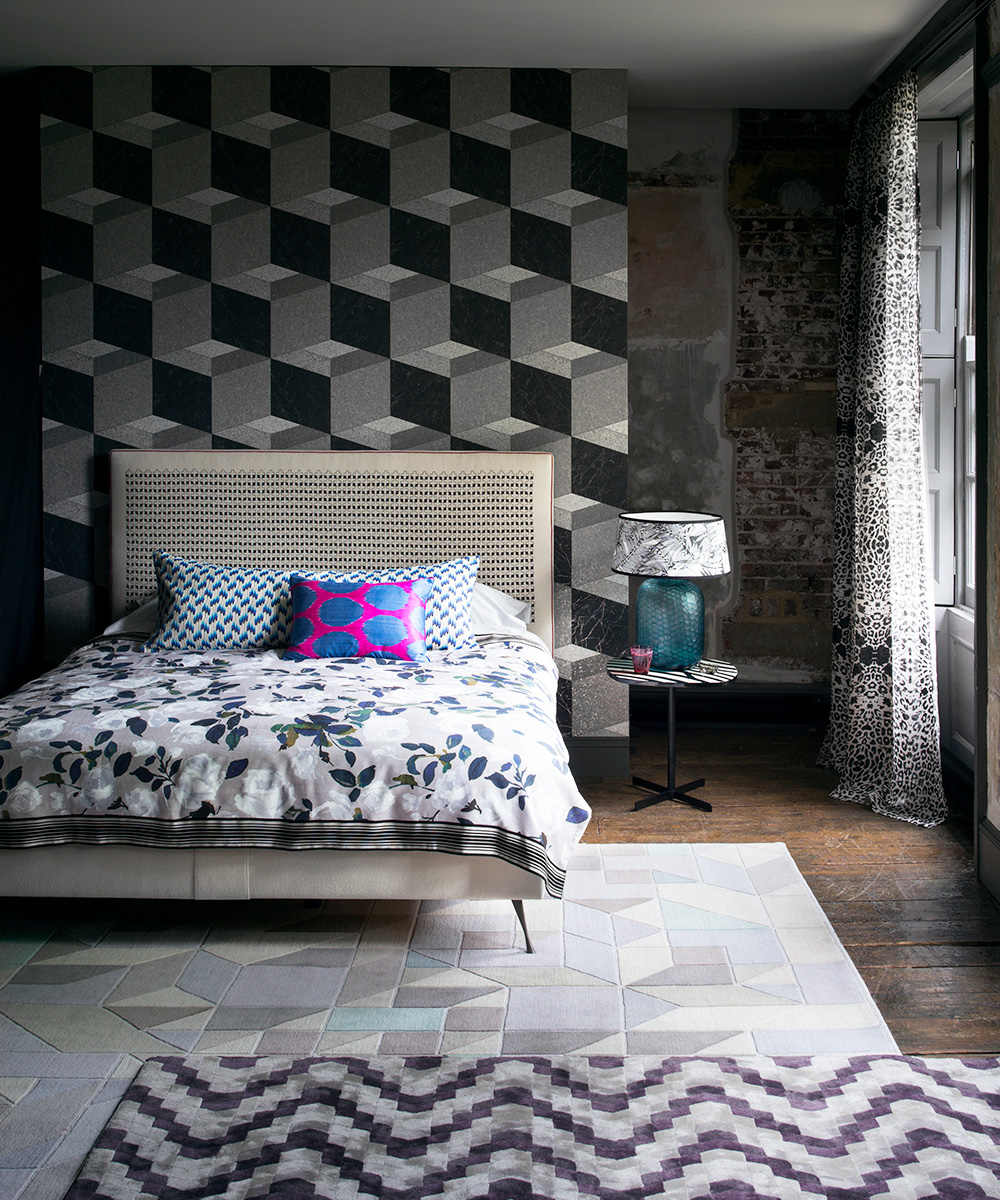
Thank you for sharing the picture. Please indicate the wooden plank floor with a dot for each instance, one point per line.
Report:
(904, 900)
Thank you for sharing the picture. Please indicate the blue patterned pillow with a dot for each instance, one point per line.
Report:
(448, 617)
(206, 607)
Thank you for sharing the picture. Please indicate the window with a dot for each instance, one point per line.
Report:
(965, 377)
(947, 319)
(948, 360)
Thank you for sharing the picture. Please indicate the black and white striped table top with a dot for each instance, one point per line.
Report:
(708, 670)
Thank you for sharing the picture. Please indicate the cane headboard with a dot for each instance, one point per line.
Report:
(336, 509)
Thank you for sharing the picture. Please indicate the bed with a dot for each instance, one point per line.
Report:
(447, 771)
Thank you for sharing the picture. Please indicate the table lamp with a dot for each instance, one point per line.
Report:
(670, 548)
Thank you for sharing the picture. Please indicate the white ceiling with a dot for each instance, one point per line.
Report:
(679, 53)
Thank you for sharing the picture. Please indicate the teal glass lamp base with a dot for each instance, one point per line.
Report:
(670, 617)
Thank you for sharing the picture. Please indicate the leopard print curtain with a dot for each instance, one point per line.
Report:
(883, 736)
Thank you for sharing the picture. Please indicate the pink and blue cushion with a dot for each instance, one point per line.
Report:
(340, 619)
(449, 609)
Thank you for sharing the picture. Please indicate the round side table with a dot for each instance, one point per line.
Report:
(710, 671)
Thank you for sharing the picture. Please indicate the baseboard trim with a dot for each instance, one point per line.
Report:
(746, 705)
(959, 786)
(988, 858)
(599, 756)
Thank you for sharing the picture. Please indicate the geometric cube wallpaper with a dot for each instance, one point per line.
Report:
(315, 258)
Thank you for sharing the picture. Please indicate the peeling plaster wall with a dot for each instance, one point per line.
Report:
(786, 200)
(681, 288)
(734, 262)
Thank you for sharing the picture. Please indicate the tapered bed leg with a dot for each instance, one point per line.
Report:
(519, 909)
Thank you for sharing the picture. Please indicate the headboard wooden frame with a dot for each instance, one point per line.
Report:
(335, 509)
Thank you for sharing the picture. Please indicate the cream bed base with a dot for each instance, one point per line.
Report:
(335, 510)
(258, 874)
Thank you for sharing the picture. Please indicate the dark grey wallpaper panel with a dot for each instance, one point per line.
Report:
(306, 257)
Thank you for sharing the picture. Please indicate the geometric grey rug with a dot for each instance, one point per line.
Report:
(654, 949)
(613, 1128)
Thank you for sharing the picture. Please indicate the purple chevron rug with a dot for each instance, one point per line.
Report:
(530, 1128)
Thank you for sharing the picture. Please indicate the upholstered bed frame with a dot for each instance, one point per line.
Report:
(336, 510)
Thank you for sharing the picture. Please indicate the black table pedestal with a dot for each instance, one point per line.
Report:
(679, 795)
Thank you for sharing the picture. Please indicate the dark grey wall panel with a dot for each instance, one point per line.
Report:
(310, 258)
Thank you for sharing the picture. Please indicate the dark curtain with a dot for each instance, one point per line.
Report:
(883, 736)
(20, 354)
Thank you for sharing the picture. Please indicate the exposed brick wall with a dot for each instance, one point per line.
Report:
(786, 203)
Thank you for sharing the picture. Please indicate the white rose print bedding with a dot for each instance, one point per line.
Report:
(460, 754)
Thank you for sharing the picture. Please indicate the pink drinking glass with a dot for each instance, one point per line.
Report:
(642, 658)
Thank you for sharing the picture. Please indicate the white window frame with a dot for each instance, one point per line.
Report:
(948, 367)
(938, 170)
(965, 375)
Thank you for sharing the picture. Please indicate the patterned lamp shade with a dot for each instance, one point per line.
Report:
(670, 612)
(686, 544)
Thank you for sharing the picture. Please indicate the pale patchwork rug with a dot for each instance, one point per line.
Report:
(851, 1128)
(655, 949)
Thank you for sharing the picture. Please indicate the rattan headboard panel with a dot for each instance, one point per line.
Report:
(335, 510)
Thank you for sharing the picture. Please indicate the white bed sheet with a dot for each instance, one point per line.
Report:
(460, 754)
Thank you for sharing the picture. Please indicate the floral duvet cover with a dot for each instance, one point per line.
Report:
(460, 753)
